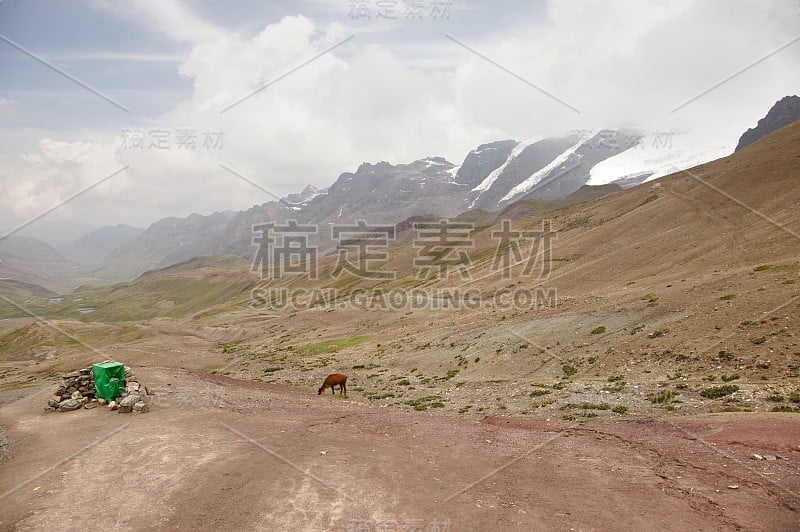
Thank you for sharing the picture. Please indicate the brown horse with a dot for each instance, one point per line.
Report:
(335, 379)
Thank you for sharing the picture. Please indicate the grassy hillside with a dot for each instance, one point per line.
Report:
(677, 295)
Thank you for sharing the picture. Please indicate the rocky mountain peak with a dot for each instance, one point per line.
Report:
(784, 112)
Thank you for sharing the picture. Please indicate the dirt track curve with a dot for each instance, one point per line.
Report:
(247, 456)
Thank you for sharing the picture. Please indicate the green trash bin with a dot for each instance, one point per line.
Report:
(109, 379)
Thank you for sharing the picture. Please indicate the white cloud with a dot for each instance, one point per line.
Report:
(172, 18)
(7, 107)
(620, 63)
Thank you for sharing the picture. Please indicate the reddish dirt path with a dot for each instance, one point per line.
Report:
(282, 458)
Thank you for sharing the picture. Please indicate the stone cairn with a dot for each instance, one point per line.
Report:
(135, 398)
(77, 390)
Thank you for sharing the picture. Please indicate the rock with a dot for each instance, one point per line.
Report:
(141, 407)
(770, 457)
(49, 409)
(733, 487)
(112, 405)
(757, 456)
(85, 371)
(68, 405)
(77, 395)
(72, 375)
(126, 405)
(102, 401)
(53, 401)
(90, 405)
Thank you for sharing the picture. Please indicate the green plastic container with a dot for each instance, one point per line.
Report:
(109, 379)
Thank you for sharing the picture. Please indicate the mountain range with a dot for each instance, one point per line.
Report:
(507, 178)
(491, 178)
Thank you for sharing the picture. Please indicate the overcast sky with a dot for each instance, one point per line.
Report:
(398, 83)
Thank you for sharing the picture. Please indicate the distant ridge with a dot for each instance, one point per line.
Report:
(784, 112)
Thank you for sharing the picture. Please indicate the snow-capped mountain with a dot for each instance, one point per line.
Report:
(657, 154)
(492, 177)
(300, 200)
(548, 168)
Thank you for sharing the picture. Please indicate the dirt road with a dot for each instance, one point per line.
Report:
(217, 452)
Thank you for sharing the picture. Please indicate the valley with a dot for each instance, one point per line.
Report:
(657, 359)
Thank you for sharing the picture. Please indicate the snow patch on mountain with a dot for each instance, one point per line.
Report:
(533, 180)
(660, 154)
(297, 201)
(487, 183)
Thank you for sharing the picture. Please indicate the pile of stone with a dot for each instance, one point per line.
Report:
(136, 397)
(76, 390)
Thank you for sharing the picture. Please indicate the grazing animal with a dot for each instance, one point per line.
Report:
(335, 379)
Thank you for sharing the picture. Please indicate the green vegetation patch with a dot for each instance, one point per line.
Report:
(569, 371)
(331, 346)
(715, 392)
(423, 403)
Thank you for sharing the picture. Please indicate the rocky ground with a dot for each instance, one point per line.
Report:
(216, 451)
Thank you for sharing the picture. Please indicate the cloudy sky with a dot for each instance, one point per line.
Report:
(168, 90)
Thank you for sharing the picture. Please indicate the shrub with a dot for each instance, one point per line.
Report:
(719, 391)
(663, 396)
(599, 330)
(651, 298)
(620, 409)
